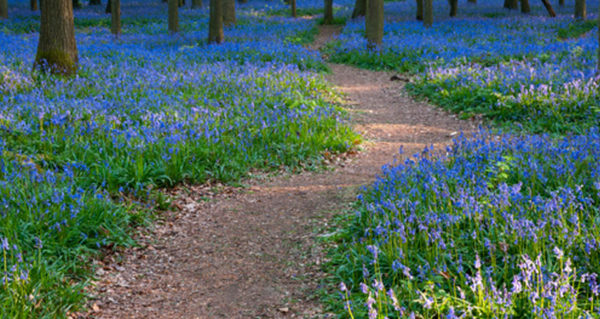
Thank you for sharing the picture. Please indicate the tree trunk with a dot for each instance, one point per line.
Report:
(181, 3)
(374, 23)
(453, 7)
(525, 8)
(511, 4)
(420, 10)
(33, 5)
(3, 9)
(243, 1)
(328, 13)
(229, 13)
(472, 1)
(215, 22)
(76, 4)
(95, 2)
(293, 4)
(561, 3)
(173, 16)
(428, 13)
(549, 8)
(115, 22)
(598, 70)
(108, 7)
(580, 10)
(360, 9)
(196, 4)
(57, 50)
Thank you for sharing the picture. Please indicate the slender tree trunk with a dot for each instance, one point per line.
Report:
(173, 16)
(57, 50)
(108, 6)
(76, 4)
(293, 4)
(453, 7)
(229, 13)
(181, 3)
(360, 9)
(328, 12)
(549, 8)
(243, 1)
(215, 22)
(525, 8)
(420, 10)
(3, 9)
(580, 10)
(561, 3)
(374, 23)
(33, 5)
(511, 4)
(598, 70)
(428, 13)
(196, 4)
(95, 2)
(115, 22)
(472, 1)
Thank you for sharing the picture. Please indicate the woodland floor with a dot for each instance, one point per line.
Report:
(253, 251)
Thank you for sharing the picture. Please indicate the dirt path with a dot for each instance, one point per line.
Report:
(252, 252)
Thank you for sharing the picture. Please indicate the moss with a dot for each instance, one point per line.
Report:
(55, 62)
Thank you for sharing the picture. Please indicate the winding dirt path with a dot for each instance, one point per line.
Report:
(252, 252)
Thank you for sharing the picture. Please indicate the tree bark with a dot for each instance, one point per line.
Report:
(3, 9)
(181, 3)
(580, 10)
(525, 8)
(243, 1)
(108, 7)
(453, 7)
(293, 4)
(215, 22)
(374, 23)
(328, 12)
(57, 50)
(428, 13)
(95, 2)
(511, 4)
(33, 5)
(561, 3)
(196, 4)
(229, 13)
(549, 8)
(472, 1)
(420, 10)
(115, 22)
(360, 9)
(173, 16)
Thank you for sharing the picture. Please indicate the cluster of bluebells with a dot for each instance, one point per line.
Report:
(512, 68)
(499, 225)
(145, 109)
(157, 109)
(14, 268)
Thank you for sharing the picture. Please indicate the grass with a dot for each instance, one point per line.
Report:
(81, 157)
(576, 29)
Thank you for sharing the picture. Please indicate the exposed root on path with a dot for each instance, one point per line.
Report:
(253, 252)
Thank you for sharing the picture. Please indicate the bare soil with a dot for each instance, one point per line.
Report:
(253, 252)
